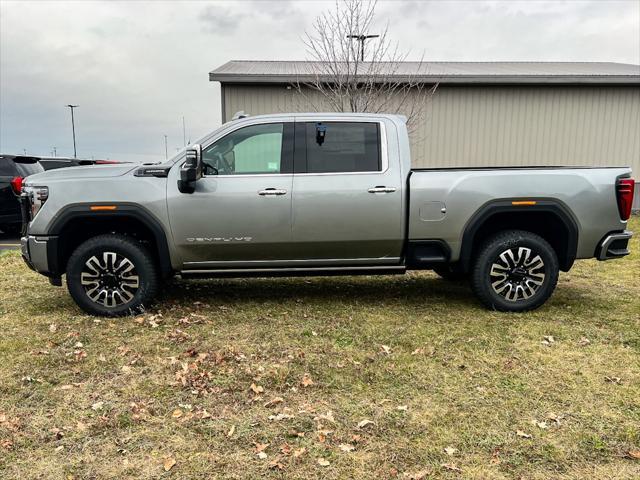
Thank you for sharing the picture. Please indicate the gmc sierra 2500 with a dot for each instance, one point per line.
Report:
(317, 194)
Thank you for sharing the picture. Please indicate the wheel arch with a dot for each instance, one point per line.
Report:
(77, 223)
(550, 219)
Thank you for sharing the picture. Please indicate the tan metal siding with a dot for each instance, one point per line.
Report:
(499, 125)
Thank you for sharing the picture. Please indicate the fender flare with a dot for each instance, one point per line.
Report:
(488, 210)
(122, 210)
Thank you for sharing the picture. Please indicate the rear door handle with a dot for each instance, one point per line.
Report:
(381, 189)
(272, 192)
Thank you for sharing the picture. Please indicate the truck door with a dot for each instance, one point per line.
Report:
(240, 212)
(347, 202)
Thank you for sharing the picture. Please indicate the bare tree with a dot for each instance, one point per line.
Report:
(348, 74)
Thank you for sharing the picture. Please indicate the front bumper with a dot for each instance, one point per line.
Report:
(35, 252)
(614, 245)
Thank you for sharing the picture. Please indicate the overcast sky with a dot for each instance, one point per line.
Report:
(135, 68)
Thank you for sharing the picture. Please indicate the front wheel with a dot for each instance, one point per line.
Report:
(112, 275)
(515, 271)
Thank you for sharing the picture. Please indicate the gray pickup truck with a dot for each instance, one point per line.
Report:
(317, 194)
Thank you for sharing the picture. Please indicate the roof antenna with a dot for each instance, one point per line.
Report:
(239, 115)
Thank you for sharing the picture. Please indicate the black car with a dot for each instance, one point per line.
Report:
(13, 169)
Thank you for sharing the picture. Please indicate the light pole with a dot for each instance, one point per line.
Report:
(166, 152)
(73, 129)
(184, 133)
(362, 39)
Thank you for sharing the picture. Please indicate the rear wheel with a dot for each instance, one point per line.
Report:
(112, 275)
(515, 271)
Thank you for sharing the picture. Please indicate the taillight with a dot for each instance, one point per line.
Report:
(624, 194)
(106, 162)
(16, 185)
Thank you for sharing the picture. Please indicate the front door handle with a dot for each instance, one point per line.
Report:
(381, 189)
(272, 192)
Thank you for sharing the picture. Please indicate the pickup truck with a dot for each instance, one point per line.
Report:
(317, 194)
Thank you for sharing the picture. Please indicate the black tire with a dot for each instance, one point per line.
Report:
(451, 273)
(501, 284)
(114, 294)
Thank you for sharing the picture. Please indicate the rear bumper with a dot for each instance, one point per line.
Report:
(614, 245)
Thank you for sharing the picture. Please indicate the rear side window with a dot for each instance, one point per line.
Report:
(6, 167)
(343, 147)
(26, 169)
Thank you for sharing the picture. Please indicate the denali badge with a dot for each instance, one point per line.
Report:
(219, 239)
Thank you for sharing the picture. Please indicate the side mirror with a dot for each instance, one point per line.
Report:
(191, 170)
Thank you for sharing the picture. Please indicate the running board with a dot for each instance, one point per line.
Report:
(292, 272)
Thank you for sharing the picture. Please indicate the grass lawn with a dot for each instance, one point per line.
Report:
(354, 377)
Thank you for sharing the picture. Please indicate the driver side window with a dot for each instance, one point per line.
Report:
(256, 149)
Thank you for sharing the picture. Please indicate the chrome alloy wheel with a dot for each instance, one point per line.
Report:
(517, 274)
(111, 281)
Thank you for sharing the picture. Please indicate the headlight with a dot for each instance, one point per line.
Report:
(36, 196)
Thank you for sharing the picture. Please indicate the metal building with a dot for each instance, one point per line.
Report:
(484, 113)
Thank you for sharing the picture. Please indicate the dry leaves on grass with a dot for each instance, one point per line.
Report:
(346, 447)
(306, 380)
(274, 401)
(419, 475)
(522, 434)
(450, 451)
(168, 463)
(635, 454)
(365, 423)
(323, 462)
(257, 389)
(452, 467)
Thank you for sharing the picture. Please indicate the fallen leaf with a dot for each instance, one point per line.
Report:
(616, 380)
(345, 447)
(261, 455)
(522, 434)
(256, 388)
(418, 351)
(450, 451)
(327, 416)
(542, 425)
(274, 401)
(306, 380)
(261, 447)
(550, 339)
(177, 413)
(97, 406)
(231, 431)
(364, 423)
(386, 349)
(584, 341)
(53, 328)
(323, 463)
(402, 408)
(421, 475)
(635, 454)
(169, 463)
(299, 452)
(276, 464)
(285, 449)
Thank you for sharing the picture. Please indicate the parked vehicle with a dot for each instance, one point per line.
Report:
(317, 194)
(51, 163)
(13, 170)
